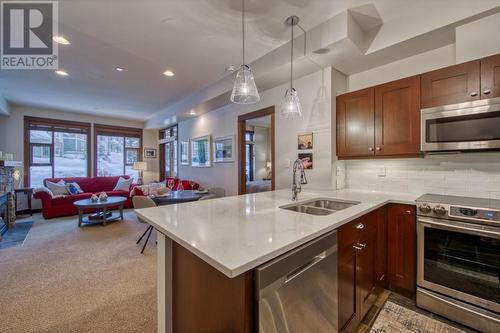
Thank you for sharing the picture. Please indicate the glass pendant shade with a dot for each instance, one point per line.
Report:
(290, 106)
(244, 89)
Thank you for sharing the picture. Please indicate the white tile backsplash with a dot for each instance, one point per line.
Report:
(468, 174)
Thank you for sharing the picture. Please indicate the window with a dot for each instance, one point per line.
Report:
(169, 152)
(55, 149)
(117, 148)
(249, 156)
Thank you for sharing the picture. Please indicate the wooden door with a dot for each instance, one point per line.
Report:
(490, 77)
(450, 85)
(397, 117)
(355, 123)
(366, 267)
(381, 257)
(401, 239)
(348, 306)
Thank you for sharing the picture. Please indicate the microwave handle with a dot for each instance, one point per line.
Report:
(470, 230)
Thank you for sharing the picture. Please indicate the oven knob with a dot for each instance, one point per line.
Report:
(439, 210)
(424, 208)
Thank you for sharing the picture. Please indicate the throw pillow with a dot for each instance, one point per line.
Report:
(123, 184)
(58, 188)
(74, 186)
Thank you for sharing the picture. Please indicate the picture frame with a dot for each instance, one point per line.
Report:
(224, 149)
(307, 160)
(184, 152)
(150, 153)
(201, 152)
(305, 141)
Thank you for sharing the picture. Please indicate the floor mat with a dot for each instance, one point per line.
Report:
(394, 319)
(16, 236)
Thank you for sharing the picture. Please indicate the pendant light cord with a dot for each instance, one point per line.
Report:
(243, 27)
(291, 60)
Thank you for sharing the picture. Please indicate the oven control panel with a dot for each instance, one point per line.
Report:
(477, 214)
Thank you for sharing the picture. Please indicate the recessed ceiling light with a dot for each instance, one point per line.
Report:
(61, 40)
(192, 112)
(119, 69)
(168, 73)
(62, 73)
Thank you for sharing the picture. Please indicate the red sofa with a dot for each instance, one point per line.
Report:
(63, 206)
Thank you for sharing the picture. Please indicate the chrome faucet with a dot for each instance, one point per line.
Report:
(297, 186)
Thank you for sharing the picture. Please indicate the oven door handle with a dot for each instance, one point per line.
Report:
(471, 230)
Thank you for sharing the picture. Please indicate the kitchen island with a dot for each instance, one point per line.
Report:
(207, 251)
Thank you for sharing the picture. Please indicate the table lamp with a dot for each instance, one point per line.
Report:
(140, 166)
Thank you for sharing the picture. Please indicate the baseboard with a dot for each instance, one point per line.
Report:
(27, 212)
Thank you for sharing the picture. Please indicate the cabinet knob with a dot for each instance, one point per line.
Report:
(357, 247)
(370, 148)
(362, 245)
(487, 92)
(408, 212)
(378, 148)
(360, 226)
(473, 93)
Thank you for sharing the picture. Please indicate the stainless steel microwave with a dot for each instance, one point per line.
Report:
(461, 127)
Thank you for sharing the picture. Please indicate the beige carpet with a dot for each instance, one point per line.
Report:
(394, 318)
(70, 279)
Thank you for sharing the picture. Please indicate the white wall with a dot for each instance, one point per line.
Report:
(150, 140)
(478, 39)
(420, 63)
(12, 129)
(314, 91)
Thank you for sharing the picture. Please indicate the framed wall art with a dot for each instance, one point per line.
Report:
(224, 149)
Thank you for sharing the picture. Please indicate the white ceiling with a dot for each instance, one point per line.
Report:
(196, 39)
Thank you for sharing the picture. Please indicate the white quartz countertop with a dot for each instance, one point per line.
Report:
(236, 234)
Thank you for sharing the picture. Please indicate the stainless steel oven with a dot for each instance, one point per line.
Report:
(458, 261)
(460, 127)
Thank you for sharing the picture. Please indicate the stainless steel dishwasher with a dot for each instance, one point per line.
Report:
(297, 292)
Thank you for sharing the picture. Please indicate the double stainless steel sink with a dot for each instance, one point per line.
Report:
(320, 207)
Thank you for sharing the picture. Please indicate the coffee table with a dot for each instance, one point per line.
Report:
(102, 215)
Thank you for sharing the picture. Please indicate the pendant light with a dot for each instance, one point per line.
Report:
(244, 89)
(290, 106)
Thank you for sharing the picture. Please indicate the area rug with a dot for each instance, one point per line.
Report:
(16, 236)
(397, 319)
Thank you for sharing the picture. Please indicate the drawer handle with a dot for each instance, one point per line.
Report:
(356, 247)
(362, 245)
(473, 94)
(487, 92)
(360, 226)
(408, 212)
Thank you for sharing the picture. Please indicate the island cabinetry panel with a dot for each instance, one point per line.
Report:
(359, 245)
(205, 300)
(401, 259)
(490, 77)
(355, 124)
(450, 85)
(397, 117)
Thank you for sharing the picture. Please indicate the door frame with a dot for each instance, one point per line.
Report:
(269, 111)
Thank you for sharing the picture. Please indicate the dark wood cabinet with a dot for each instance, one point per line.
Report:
(490, 77)
(355, 123)
(381, 248)
(397, 117)
(450, 85)
(401, 248)
(358, 268)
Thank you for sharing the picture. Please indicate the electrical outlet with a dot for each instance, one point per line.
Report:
(382, 171)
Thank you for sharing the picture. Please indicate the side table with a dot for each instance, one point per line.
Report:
(28, 191)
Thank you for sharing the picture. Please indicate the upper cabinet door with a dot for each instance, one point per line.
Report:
(355, 123)
(397, 117)
(450, 85)
(490, 77)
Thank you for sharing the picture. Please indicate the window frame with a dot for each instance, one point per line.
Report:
(163, 141)
(120, 131)
(52, 125)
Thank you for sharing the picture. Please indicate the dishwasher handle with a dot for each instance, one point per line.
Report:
(302, 269)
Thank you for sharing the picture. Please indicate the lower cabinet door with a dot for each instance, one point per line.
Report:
(348, 292)
(367, 280)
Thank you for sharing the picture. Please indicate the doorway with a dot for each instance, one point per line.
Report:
(256, 144)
